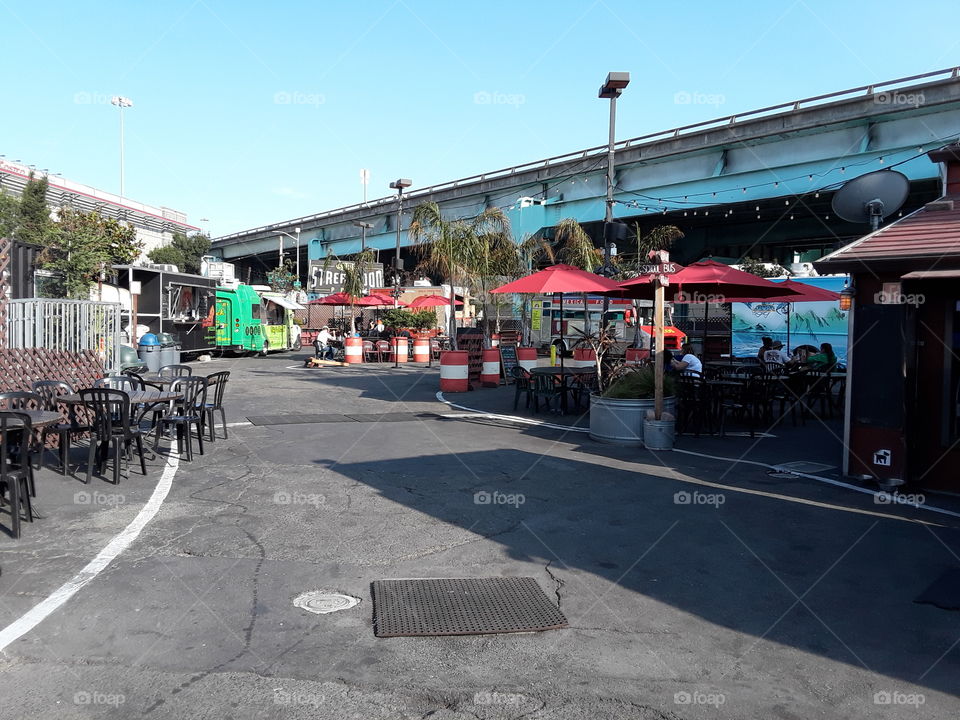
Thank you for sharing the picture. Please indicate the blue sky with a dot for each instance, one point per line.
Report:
(249, 113)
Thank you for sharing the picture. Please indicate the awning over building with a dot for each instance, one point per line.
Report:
(283, 302)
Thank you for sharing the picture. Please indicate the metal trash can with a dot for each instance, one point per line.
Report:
(169, 350)
(150, 352)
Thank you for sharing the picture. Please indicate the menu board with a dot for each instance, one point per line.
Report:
(508, 360)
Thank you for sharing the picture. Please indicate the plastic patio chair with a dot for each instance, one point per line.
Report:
(50, 390)
(175, 371)
(383, 350)
(521, 381)
(15, 430)
(111, 429)
(128, 383)
(216, 385)
(190, 411)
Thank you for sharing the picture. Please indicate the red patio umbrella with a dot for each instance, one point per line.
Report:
(342, 298)
(428, 301)
(708, 277)
(381, 299)
(560, 279)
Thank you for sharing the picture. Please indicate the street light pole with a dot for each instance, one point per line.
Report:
(297, 240)
(364, 226)
(121, 102)
(398, 185)
(611, 89)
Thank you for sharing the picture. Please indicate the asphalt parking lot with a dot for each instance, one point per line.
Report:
(693, 588)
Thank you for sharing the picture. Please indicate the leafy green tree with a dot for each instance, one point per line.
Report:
(461, 250)
(354, 276)
(184, 251)
(755, 266)
(35, 225)
(84, 245)
(281, 278)
(9, 215)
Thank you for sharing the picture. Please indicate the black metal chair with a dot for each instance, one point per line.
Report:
(750, 404)
(15, 474)
(175, 371)
(694, 403)
(216, 385)
(111, 429)
(128, 382)
(544, 387)
(521, 382)
(189, 411)
(50, 391)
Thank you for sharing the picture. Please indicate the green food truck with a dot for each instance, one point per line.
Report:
(251, 318)
(239, 328)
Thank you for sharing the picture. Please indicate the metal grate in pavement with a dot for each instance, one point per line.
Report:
(334, 418)
(462, 606)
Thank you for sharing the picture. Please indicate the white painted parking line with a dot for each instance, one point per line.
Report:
(39, 612)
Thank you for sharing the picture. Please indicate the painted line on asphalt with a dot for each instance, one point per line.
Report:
(473, 412)
(818, 478)
(39, 612)
(239, 423)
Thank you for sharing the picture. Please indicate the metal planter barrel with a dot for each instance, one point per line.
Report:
(619, 421)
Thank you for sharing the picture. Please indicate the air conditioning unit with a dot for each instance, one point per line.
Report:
(164, 267)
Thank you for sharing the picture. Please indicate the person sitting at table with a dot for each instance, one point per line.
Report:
(687, 361)
(776, 354)
(824, 359)
(767, 345)
(322, 344)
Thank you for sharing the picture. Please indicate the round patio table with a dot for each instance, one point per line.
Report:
(40, 418)
(563, 373)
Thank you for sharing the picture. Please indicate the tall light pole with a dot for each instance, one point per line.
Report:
(297, 239)
(398, 185)
(364, 226)
(121, 102)
(611, 89)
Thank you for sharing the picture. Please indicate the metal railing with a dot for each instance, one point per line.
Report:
(66, 325)
(952, 73)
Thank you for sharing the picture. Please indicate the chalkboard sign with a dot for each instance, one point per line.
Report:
(508, 360)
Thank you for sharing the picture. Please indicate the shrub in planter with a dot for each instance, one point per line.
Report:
(617, 415)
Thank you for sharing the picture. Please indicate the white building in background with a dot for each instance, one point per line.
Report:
(155, 226)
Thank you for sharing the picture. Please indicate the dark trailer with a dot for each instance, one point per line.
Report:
(177, 303)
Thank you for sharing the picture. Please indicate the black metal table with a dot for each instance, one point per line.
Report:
(563, 373)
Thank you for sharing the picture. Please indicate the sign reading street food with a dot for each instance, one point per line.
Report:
(329, 280)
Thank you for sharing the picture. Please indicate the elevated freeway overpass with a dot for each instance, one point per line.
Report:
(757, 183)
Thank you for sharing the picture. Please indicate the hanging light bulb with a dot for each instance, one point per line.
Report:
(810, 178)
(843, 169)
(758, 208)
(743, 189)
(786, 202)
(776, 184)
(816, 194)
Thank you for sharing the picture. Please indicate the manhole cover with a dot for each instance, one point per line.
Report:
(322, 603)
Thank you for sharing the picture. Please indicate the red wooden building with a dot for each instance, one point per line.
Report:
(903, 402)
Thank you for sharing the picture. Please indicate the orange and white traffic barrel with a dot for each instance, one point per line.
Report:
(490, 373)
(353, 350)
(398, 352)
(495, 340)
(584, 357)
(455, 371)
(421, 350)
(637, 356)
(527, 358)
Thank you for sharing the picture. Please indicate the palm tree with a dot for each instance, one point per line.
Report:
(576, 248)
(354, 275)
(459, 249)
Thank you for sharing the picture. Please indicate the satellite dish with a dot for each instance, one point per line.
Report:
(871, 197)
